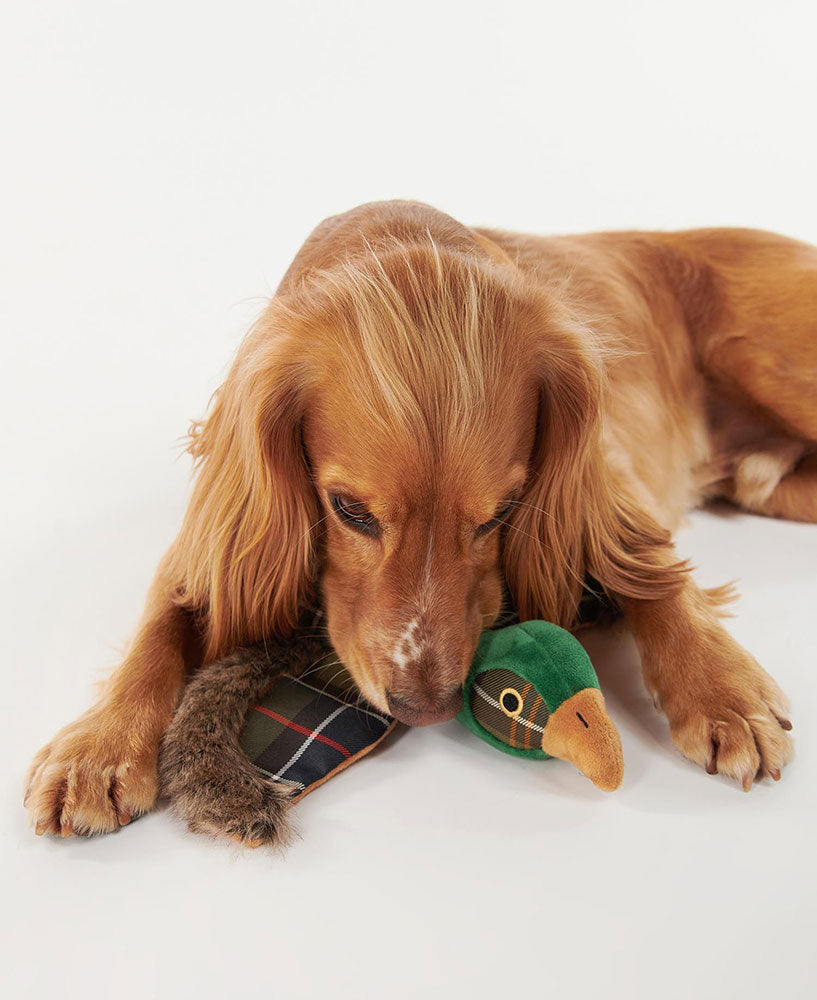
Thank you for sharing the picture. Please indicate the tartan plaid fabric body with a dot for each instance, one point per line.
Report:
(300, 733)
(510, 708)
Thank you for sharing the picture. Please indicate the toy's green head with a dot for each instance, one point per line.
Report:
(532, 692)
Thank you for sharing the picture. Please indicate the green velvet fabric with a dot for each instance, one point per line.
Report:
(538, 652)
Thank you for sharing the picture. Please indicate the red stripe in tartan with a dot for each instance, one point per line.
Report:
(302, 729)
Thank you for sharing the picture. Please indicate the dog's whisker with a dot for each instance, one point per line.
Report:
(312, 527)
(540, 541)
(327, 666)
(319, 665)
(541, 510)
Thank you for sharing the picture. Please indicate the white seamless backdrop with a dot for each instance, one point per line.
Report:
(161, 164)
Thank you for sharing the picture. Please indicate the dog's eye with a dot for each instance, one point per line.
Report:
(354, 513)
(497, 519)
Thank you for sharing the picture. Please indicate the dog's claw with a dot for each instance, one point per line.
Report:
(733, 722)
(712, 761)
(80, 784)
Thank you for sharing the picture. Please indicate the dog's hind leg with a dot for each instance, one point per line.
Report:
(758, 487)
(761, 354)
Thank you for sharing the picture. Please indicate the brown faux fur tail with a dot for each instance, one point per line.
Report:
(209, 780)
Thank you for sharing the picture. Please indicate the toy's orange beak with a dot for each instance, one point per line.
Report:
(581, 731)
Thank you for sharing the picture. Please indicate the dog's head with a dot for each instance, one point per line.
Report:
(419, 442)
(408, 433)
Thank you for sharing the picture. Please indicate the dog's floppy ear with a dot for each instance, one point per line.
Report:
(244, 557)
(574, 518)
(544, 544)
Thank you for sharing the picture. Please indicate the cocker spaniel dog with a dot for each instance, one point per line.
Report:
(429, 419)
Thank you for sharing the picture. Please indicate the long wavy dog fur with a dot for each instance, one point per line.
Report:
(428, 414)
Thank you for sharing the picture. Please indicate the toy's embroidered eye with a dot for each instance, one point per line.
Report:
(497, 519)
(509, 708)
(510, 701)
(354, 513)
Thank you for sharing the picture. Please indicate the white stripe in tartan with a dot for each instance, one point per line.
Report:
(284, 781)
(302, 748)
(492, 701)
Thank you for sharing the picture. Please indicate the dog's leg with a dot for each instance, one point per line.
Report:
(725, 712)
(764, 351)
(760, 487)
(101, 770)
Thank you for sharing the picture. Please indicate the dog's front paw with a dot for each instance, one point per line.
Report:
(93, 777)
(729, 715)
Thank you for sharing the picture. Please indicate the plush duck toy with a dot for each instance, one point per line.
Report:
(532, 692)
(269, 723)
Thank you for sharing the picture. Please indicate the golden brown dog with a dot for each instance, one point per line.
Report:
(426, 414)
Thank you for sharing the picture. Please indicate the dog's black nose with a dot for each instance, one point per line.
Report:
(421, 711)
